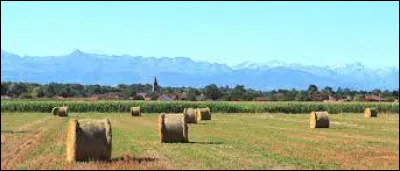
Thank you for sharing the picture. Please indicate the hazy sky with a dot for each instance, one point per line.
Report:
(320, 33)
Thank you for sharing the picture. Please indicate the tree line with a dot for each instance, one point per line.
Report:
(213, 92)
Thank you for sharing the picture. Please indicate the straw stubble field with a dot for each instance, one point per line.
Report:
(228, 141)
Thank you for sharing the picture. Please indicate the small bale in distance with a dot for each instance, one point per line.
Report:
(370, 112)
(319, 119)
(192, 115)
(203, 114)
(88, 140)
(63, 111)
(173, 127)
(54, 111)
(135, 111)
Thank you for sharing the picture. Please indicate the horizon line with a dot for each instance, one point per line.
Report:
(231, 86)
(232, 66)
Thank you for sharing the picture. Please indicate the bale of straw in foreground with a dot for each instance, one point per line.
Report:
(88, 140)
(173, 127)
(135, 111)
(192, 114)
(319, 119)
(370, 112)
(3, 139)
(203, 114)
(54, 111)
(63, 111)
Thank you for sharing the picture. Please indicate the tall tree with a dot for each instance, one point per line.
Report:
(312, 89)
(300, 96)
(238, 92)
(211, 91)
(4, 88)
(328, 90)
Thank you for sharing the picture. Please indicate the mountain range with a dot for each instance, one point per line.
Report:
(89, 68)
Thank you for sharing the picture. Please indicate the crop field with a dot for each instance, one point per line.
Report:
(229, 141)
(178, 106)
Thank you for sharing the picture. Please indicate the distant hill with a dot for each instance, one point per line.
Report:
(86, 68)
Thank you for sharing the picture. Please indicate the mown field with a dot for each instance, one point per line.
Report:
(228, 141)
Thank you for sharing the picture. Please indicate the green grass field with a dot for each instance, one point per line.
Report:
(228, 141)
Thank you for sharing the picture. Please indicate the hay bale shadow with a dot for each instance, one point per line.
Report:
(193, 142)
(134, 159)
(14, 132)
(123, 158)
(202, 123)
(130, 158)
(340, 128)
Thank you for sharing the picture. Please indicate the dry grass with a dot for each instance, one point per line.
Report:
(229, 141)
(16, 148)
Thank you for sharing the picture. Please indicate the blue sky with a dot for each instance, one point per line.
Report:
(313, 33)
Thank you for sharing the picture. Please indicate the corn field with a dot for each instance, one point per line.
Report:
(178, 106)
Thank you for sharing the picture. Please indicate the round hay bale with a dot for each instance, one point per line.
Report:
(192, 115)
(319, 119)
(88, 140)
(370, 112)
(135, 111)
(203, 114)
(63, 111)
(173, 127)
(54, 111)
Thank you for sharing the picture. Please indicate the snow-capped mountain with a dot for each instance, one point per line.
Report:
(88, 68)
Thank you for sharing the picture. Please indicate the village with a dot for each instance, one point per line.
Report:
(154, 92)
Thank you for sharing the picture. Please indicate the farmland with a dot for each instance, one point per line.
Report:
(177, 106)
(228, 141)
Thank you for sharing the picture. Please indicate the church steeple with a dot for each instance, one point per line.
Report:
(155, 85)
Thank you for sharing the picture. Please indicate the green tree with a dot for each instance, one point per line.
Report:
(339, 93)
(347, 92)
(395, 94)
(16, 89)
(4, 88)
(312, 89)
(358, 97)
(25, 95)
(212, 92)
(34, 93)
(300, 96)
(41, 92)
(238, 92)
(387, 94)
(67, 92)
(128, 93)
(376, 92)
(328, 90)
